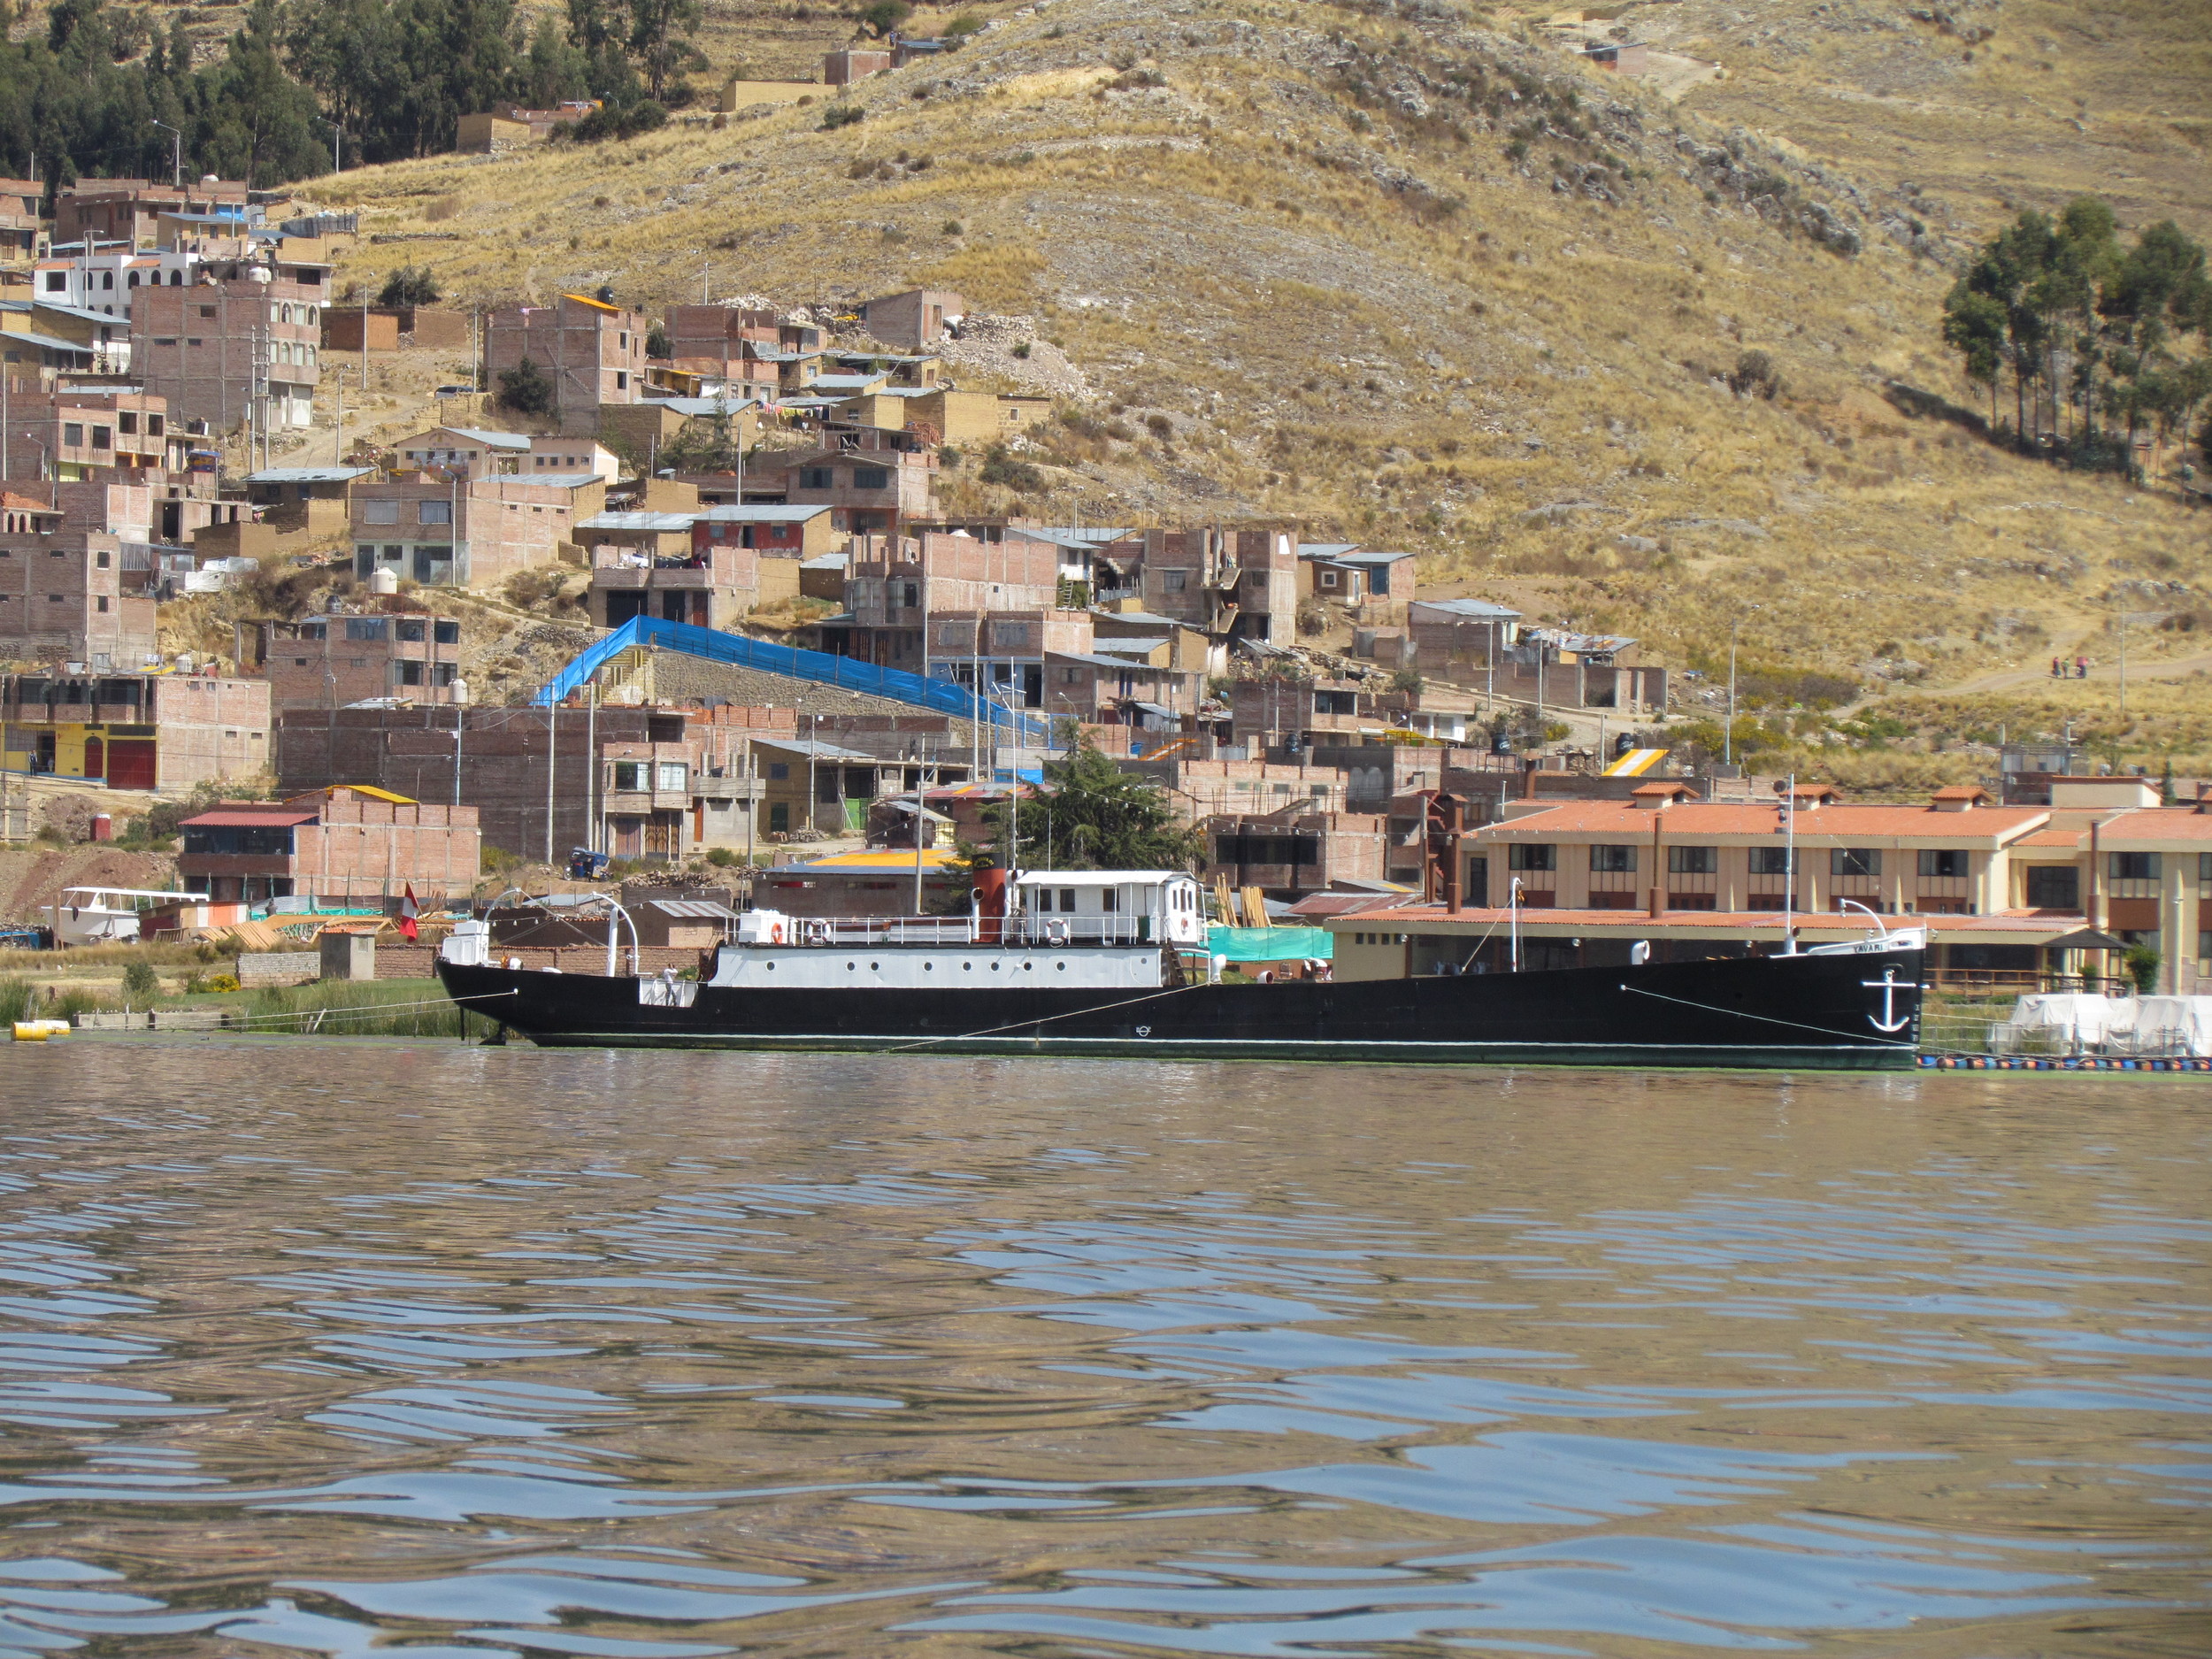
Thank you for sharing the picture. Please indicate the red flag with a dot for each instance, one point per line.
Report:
(408, 911)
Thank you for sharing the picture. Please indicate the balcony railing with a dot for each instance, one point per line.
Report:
(1019, 929)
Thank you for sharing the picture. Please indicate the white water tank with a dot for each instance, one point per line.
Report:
(469, 944)
(460, 691)
(383, 579)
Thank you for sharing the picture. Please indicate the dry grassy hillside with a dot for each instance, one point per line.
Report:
(1411, 276)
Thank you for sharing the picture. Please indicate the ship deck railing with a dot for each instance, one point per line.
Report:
(1018, 931)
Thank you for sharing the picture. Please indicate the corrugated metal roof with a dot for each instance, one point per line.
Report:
(639, 521)
(516, 441)
(307, 474)
(1481, 609)
(693, 909)
(819, 749)
(731, 513)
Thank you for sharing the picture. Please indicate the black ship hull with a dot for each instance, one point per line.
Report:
(1846, 1012)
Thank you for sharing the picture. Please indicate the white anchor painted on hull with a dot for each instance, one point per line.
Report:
(1888, 987)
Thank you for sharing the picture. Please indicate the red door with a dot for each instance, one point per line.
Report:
(95, 758)
(131, 763)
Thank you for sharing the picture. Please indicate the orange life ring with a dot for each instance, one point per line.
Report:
(775, 932)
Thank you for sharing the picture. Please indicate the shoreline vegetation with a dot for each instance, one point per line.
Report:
(380, 1007)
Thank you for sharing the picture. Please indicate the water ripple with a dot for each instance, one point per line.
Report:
(353, 1348)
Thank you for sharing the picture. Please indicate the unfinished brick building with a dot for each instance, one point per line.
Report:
(328, 662)
(1237, 584)
(463, 533)
(592, 352)
(130, 210)
(61, 593)
(340, 846)
(224, 349)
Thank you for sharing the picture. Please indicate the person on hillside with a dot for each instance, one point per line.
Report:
(2081, 668)
(2058, 669)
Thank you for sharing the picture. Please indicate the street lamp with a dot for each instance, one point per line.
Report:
(54, 484)
(176, 153)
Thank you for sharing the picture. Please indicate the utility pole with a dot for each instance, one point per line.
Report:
(338, 422)
(176, 154)
(1728, 740)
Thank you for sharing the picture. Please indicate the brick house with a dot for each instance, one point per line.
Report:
(1347, 574)
(328, 662)
(135, 731)
(466, 533)
(339, 845)
(215, 348)
(83, 432)
(316, 500)
(1234, 584)
(130, 210)
(708, 585)
(63, 597)
(592, 352)
(1291, 854)
(873, 491)
(914, 318)
(22, 229)
(471, 450)
(903, 593)
(1461, 637)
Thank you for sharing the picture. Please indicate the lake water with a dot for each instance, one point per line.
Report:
(321, 1348)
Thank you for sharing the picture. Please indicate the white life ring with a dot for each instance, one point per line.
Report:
(1057, 931)
(775, 932)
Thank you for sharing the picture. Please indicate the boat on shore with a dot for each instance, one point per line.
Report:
(1114, 964)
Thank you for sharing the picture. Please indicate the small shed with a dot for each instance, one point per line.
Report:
(684, 924)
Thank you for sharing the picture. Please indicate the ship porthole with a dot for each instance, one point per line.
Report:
(1062, 967)
(875, 967)
(967, 967)
(772, 967)
(929, 967)
(852, 967)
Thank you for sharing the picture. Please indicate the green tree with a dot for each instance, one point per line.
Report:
(708, 443)
(1098, 817)
(1974, 326)
(880, 19)
(660, 39)
(410, 285)
(526, 389)
(140, 980)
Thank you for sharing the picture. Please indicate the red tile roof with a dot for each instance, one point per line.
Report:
(2157, 823)
(1412, 918)
(1837, 824)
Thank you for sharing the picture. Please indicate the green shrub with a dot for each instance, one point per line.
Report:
(141, 981)
(526, 389)
(410, 285)
(838, 115)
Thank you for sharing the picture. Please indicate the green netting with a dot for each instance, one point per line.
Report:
(1270, 944)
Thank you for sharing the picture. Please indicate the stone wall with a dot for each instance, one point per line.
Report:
(278, 967)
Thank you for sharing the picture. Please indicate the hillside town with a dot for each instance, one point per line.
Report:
(794, 672)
